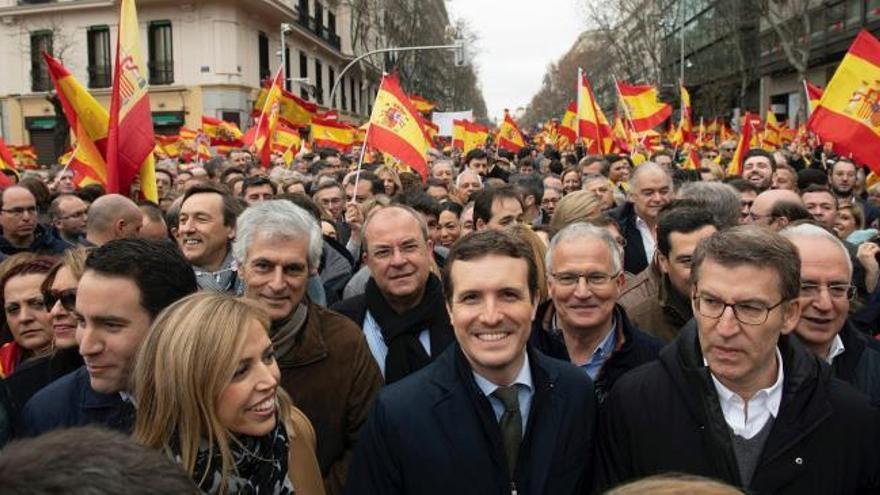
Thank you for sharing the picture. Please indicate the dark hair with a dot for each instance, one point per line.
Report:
(761, 153)
(555, 167)
(328, 185)
(303, 202)
(324, 153)
(229, 171)
(811, 176)
(434, 182)
(231, 207)
(89, 461)
(40, 191)
(421, 202)
(452, 206)
(530, 185)
(475, 154)
(478, 245)
(257, 182)
(484, 199)
(377, 186)
(151, 210)
(159, 270)
(526, 162)
(683, 216)
(791, 210)
(741, 185)
(754, 246)
(91, 192)
(41, 265)
(816, 188)
(166, 172)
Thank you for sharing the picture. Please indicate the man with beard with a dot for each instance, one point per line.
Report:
(68, 215)
(842, 178)
(401, 311)
(758, 168)
(650, 191)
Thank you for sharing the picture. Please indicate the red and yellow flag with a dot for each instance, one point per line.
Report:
(458, 132)
(294, 111)
(6, 163)
(170, 145)
(566, 133)
(328, 133)
(268, 119)
(220, 130)
(685, 125)
(735, 167)
(475, 136)
(421, 104)
(25, 156)
(592, 124)
(692, 161)
(130, 116)
(287, 142)
(848, 114)
(642, 106)
(510, 138)
(772, 137)
(89, 122)
(395, 128)
(814, 95)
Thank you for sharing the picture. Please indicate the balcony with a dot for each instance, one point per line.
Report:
(311, 24)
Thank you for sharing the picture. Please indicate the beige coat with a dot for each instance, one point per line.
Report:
(303, 469)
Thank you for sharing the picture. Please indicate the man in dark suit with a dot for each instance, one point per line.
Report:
(650, 189)
(491, 414)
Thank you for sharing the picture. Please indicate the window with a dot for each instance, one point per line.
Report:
(319, 82)
(319, 18)
(330, 81)
(41, 41)
(331, 23)
(303, 74)
(98, 38)
(286, 83)
(161, 62)
(265, 71)
(303, 8)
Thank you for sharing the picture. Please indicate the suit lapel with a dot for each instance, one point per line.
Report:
(543, 428)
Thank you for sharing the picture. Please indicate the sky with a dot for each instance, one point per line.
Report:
(517, 40)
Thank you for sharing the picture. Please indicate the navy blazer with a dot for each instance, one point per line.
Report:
(434, 432)
(634, 258)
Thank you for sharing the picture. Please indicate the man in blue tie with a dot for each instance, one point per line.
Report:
(491, 414)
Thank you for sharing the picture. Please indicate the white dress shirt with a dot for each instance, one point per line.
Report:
(836, 349)
(378, 347)
(747, 418)
(647, 238)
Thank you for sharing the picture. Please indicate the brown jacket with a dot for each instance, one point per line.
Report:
(332, 377)
(643, 286)
(303, 469)
(662, 315)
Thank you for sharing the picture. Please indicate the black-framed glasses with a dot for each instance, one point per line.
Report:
(596, 280)
(66, 297)
(836, 291)
(78, 214)
(748, 313)
(20, 210)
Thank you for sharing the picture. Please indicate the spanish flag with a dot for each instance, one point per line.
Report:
(475, 136)
(772, 137)
(642, 107)
(685, 125)
(220, 130)
(458, 132)
(296, 112)
(692, 162)
(395, 128)
(130, 114)
(509, 136)
(170, 145)
(6, 163)
(88, 120)
(421, 104)
(814, 94)
(25, 156)
(567, 130)
(327, 133)
(268, 119)
(287, 142)
(592, 123)
(735, 167)
(848, 114)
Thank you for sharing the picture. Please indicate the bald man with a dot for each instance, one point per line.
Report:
(776, 208)
(111, 217)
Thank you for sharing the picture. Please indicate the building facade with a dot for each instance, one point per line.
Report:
(204, 57)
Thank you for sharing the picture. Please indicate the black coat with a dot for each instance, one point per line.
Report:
(46, 241)
(634, 258)
(634, 349)
(859, 365)
(666, 417)
(434, 432)
(70, 401)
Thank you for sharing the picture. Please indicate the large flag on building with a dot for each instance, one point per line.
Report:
(268, 119)
(848, 115)
(642, 107)
(395, 128)
(89, 122)
(735, 167)
(814, 94)
(592, 124)
(331, 133)
(510, 138)
(130, 139)
(567, 130)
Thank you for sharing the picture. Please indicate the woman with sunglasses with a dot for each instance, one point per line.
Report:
(206, 386)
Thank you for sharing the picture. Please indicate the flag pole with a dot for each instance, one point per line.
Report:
(632, 128)
(357, 176)
(67, 165)
(577, 113)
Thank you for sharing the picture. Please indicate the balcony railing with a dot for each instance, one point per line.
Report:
(100, 76)
(161, 71)
(319, 30)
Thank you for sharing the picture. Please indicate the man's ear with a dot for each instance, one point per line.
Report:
(479, 224)
(663, 262)
(791, 315)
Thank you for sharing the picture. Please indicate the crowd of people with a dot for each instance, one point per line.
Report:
(543, 322)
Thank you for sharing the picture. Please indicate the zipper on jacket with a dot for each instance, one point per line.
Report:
(513, 488)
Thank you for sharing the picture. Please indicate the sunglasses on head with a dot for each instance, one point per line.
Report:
(66, 297)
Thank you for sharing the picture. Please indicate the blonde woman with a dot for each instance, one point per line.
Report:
(206, 385)
(577, 206)
(390, 180)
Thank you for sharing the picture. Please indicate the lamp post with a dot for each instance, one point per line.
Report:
(285, 28)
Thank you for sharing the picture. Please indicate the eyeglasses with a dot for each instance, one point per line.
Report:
(66, 297)
(20, 210)
(748, 313)
(836, 291)
(596, 280)
(728, 149)
(79, 214)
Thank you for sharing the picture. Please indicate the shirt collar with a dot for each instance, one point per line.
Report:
(606, 347)
(772, 394)
(836, 349)
(524, 378)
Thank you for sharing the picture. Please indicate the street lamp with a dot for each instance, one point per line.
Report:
(285, 28)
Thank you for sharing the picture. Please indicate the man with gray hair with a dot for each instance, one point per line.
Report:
(826, 292)
(401, 310)
(467, 183)
(325, 363)
(650, 189)
(111, 217)
(720, 199)
(582, 323)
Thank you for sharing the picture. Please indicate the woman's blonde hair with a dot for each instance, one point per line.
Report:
(714, 168)
(671, 484)
(188, 358)
(525, 233)
(576, 206)
(395, 177)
